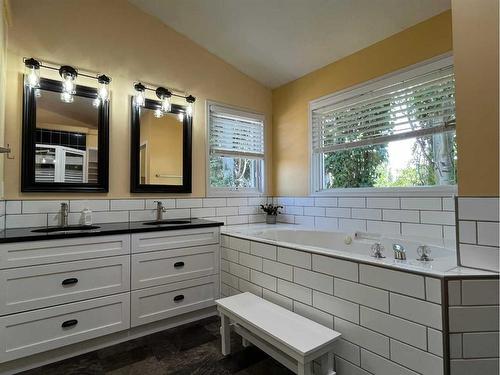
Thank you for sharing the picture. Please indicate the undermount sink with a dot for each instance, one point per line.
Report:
(66, 229)
(167, 222)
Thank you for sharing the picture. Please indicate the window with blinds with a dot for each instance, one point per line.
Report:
(358, 137)
(236, 150)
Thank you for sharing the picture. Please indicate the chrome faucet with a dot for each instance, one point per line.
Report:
(424, 253)
(399, 251)
(159, 210)
(63, 222)
(377, 250)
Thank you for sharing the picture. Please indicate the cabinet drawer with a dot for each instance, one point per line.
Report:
(167, 266)
(28, 288)
(21, 254)
(172, 239)
(161, 302)
(41, 330)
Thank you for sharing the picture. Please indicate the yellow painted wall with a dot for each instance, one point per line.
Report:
(475, 47)
(116, 38)
(425, 40)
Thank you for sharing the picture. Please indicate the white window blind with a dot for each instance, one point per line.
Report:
(236, 133)
(415, 107)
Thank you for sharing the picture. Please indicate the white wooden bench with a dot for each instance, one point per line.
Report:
(289, 338)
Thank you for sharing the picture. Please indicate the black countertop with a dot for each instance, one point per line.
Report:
(27, 234)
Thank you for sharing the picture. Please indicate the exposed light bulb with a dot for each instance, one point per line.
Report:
(96, 102)
(32, 73)
(69, 85)
(68, 75)
(180, 116)
(33, 79)
(38, 93)
(165, 105)
(139, 97)
(67, 98)
(190, 99)
(103, 90)
(158, 113)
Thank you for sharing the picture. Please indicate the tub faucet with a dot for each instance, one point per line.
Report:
(377, 250)
(159, 210)
(399, 251)
(63, 222)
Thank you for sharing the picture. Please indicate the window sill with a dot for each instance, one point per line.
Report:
(234, 193)
(418, 191)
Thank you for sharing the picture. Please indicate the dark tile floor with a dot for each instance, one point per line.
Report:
(192, 349)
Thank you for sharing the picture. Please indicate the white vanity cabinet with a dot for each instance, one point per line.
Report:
(173, 273)
(59, 292)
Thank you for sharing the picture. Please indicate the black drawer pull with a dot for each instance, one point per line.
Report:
(178, 264)
(178, 298)
(69, 323)
(70, 281)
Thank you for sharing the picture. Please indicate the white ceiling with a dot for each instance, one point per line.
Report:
(277, 41)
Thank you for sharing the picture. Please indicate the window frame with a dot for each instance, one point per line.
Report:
(261, 188)
(315, 160)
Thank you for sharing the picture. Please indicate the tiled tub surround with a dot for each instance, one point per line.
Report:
(392, 322)
(478, 232)
(38, 213)
(473, 325)
(414, 216)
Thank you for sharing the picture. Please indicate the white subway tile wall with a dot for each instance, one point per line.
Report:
(478, 228)
(391, 321)
(37, 213)
(474, 327)
(432, 217)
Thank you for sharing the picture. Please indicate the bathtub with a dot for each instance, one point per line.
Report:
(354, 246)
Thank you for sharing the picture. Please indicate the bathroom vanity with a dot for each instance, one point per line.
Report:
(68, 292)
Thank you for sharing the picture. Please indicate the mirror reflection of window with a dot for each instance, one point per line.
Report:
(161, 150)
(66, 139)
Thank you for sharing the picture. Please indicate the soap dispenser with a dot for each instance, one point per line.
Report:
(87, 216)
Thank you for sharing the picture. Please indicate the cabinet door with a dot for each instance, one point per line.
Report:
(161, 302)
(32, 253)
(37, 331)
(167, 266)
(29, 288)
(173, 239)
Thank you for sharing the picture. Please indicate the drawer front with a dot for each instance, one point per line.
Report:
(167, 266)
(30, 288)
(161, 302)
(155, 241)
(32, 253)
(45, 329)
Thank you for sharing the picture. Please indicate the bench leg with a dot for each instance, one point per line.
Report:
(304, 368)
(225, 332)
(327, 364)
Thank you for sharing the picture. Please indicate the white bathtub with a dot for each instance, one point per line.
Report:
(355, 246)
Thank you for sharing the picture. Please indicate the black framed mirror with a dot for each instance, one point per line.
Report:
(160, 149)
(65, 142)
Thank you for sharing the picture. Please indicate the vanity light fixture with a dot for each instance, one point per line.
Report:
(32, 73)
(68, 75)
(139, 97)
(165, 95)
